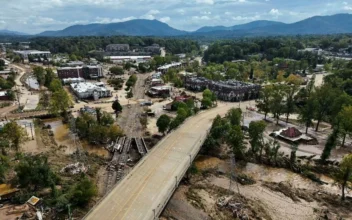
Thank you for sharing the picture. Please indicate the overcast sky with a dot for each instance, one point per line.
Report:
(34, 16)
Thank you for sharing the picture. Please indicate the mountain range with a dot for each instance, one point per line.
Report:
(8, 32)
(339, 23)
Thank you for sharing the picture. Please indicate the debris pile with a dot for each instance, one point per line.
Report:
(74, 169)
(237, 209)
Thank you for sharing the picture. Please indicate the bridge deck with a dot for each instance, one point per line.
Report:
(151, 183)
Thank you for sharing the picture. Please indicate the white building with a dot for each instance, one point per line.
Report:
(86, 90)
(36, 53)
(123, 59)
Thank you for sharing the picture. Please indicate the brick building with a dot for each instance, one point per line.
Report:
(86, 72)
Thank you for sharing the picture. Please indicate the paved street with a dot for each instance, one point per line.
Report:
(153, 180)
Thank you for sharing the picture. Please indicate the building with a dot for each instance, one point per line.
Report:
(230, 90)
(87, 90)
(117, 47)
(166, 67)
(124, 59)
(72, 80)
(34, 53)
(4, 95)
(294, 136)
(75, 63)
(155, 82)
(159, 91)
(312, 50)
(86, 72)
(154, 49)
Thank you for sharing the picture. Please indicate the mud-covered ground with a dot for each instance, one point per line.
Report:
(276, 194)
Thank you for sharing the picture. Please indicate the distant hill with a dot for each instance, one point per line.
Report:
(8, 32)
(339, 23)
(334, 24)
(138, 27)
(247, 26)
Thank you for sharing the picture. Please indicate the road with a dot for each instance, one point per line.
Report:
(150, 184)
(129, 122)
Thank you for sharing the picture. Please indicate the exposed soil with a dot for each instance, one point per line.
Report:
(276, 194)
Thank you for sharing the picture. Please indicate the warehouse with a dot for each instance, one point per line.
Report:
(87, 90)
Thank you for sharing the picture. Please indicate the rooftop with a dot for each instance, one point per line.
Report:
(31, 52)
(82, 87)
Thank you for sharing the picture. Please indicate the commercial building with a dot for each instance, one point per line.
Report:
(87, 90)
(86, 72)
(154, 49)
(124, 59)
(117, 47)
(225, 90)
(166, 67)
(35, 53)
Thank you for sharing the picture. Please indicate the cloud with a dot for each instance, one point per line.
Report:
(275, 12)
(208, 2)
(246, 18)
(165, 19)
(103, 20)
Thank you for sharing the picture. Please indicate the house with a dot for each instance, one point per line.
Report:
(159, 91)
(4, 95)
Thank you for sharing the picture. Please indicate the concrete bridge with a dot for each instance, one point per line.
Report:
(145, 191)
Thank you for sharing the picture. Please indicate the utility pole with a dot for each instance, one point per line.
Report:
(69, 212)
(232, 173)
(32, 131)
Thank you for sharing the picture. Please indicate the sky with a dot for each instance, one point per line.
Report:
(35, 16)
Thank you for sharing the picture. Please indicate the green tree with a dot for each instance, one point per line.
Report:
(55, 85)
(256, 131)
(344, 174)
(290, 105)
(235, 139)
(276, 102)
(39, 73)
(59, 103)
(49, 77)
(163, 123)
(83, 192)
(34, 171)
(14, 134)
(324, 97)
(263, 104)
(330, 145)
(4, 166)
(306, 113)
(116, 70)
(116, 106)
(235, 116)
(345, 118)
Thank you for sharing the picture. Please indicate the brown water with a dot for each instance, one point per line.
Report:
(63, 137)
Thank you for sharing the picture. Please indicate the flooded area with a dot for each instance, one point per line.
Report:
(277, 175)
(64, 138)
(32, 82)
